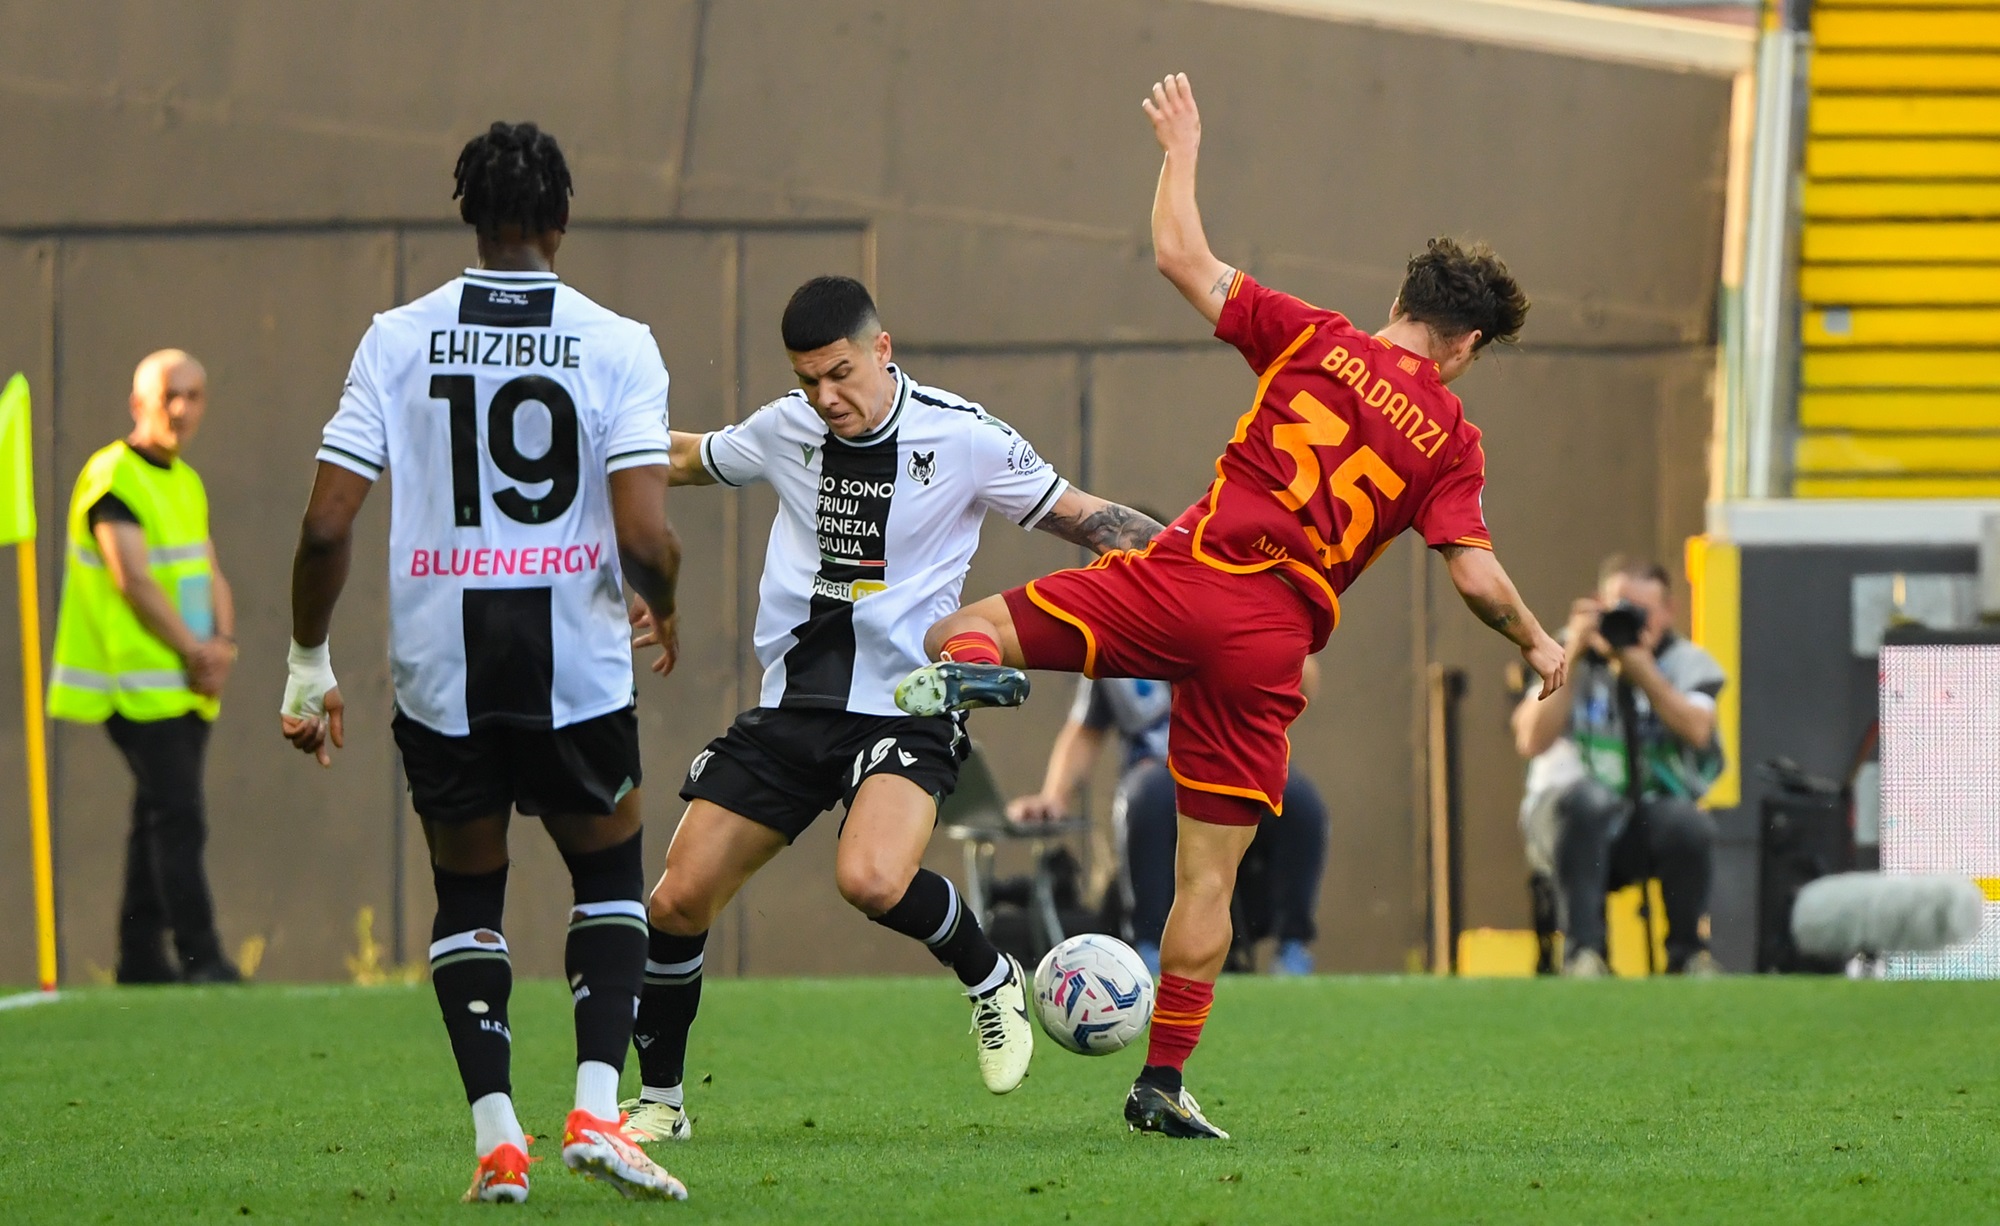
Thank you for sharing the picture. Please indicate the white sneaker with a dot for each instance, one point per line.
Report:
(649, 1122)
(1006, 1039)
(1587, 964)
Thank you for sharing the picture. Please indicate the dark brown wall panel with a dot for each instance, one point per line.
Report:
(1316, 161)
(193, 110)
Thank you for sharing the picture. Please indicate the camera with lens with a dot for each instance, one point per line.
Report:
(1622, 624)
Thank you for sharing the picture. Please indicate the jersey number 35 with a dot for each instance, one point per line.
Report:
(1322, 428)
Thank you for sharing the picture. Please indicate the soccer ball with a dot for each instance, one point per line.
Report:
(1093, 994)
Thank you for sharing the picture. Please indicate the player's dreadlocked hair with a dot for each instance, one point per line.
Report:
(513, 173)
(1455, 289)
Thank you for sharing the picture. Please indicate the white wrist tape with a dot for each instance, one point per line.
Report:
(309, 675)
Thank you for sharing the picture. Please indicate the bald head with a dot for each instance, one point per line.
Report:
(169, 396)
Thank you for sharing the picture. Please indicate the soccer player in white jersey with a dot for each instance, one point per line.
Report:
(882, 485)
(527, 430)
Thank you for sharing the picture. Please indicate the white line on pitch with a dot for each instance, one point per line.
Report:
(25, 999)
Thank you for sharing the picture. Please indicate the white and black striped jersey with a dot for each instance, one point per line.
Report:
(501, 401)
(873, 535)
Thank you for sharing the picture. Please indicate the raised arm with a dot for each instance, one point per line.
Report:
(1099, 526)
(1484, 586)
(1180, 248)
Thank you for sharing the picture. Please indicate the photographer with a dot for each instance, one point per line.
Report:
(1630, 673)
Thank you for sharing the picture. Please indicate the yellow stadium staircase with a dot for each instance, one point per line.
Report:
(1899, 274)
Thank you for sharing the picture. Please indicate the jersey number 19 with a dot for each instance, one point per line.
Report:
(559, 465)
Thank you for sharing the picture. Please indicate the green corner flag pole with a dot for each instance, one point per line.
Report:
(17, 528)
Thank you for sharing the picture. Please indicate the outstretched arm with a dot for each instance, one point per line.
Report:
(1180, 248)
(1490, 594)
(685, 467)
(1099, 526)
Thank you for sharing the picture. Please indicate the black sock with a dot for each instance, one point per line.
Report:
(1162, 1077)
(930, 911)
(473, 977)
(605, 956)
(667, 1007)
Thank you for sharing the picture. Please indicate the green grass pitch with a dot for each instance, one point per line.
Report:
(1380, 1100)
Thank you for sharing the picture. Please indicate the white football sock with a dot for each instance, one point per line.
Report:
(994, 978)
(494, 1125)
(670, 1096)
(597, 1089)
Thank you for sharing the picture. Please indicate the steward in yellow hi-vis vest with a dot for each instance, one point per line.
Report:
(144, 645)
(107, 660)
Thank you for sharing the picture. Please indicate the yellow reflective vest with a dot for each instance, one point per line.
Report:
(106, 661)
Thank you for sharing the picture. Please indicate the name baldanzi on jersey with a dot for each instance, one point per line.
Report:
(493, 562)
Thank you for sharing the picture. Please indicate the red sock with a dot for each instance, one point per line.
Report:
(1178, 1014)
(972, 647)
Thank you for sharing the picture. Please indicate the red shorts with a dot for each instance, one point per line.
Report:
(1232, 645)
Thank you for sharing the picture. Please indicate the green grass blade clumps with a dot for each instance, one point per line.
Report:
(1381, 1100)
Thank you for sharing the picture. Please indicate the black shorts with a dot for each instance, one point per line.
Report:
(583, 769)
(783, 767)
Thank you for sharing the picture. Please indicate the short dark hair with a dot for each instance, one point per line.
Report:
(825, 310)
(1456, 289)
(1630, 567)
(513, 173)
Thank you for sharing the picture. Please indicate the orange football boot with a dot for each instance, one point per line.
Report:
(601, 1149)
(502, 1177)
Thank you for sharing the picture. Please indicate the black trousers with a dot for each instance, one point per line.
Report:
(1599, 849)
(1277, 885)
(166, 887)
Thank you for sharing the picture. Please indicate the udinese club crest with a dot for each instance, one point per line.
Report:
(923, 466)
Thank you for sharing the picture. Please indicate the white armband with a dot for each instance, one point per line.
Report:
(309, 675)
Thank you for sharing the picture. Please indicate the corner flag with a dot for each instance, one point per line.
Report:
(17, 528)
(17, 465)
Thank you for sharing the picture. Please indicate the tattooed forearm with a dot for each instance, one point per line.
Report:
(1497, 614)
(1108, 528)
(1221, 287)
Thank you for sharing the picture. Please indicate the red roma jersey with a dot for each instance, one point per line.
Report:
(1351, 440)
